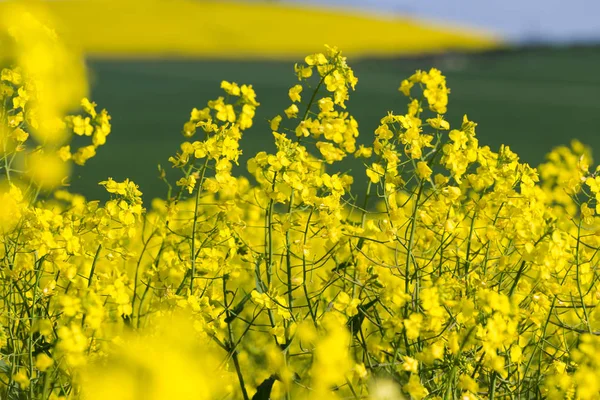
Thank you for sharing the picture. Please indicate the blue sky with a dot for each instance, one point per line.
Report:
(520, 21)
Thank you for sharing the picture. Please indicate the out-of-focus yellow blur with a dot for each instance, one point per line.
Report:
(224, 29)
(56, 72)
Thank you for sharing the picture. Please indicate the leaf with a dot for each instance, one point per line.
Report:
(354, 323)
(237, 309)
(342, 266)
(263, 391)
(4, 367)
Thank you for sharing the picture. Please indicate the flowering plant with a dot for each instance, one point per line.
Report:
(460, 272)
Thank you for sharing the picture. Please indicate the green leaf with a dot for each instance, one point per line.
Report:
(237, 309)
(263, 391)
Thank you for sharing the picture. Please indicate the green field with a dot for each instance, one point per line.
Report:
(531, 99)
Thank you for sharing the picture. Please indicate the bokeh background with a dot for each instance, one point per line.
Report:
(526, 71)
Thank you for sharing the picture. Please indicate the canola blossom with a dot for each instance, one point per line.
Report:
(461, 272)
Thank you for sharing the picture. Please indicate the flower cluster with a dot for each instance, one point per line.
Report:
(461, 272)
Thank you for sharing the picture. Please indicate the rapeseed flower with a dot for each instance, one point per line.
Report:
(460, 272)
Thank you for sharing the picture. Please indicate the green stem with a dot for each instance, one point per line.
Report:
(193, 249)
(231, 346)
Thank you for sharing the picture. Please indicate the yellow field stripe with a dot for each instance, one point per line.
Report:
(153, 28)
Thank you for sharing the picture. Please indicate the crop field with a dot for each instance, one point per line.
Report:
(325, 228)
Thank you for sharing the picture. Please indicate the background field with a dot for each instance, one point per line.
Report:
(531, 99)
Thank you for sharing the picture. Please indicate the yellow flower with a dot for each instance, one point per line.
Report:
(423, 170)
(326, 104)
(275, 123)
(414, 388)
(316, 59)
(81, 126)
(363, 151)
(405, 87)
(231, 88)
(294, 93)
(19, 135)
(361, 371)
(375, 172)
(344, 303)
(291, 111)
(329, 152)
(413, 326)
(83, 154)
(438, 123)
(189, 183)
(21, 378)
(303, 72)
(410, 364)
(89, 107)
(43, 362)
